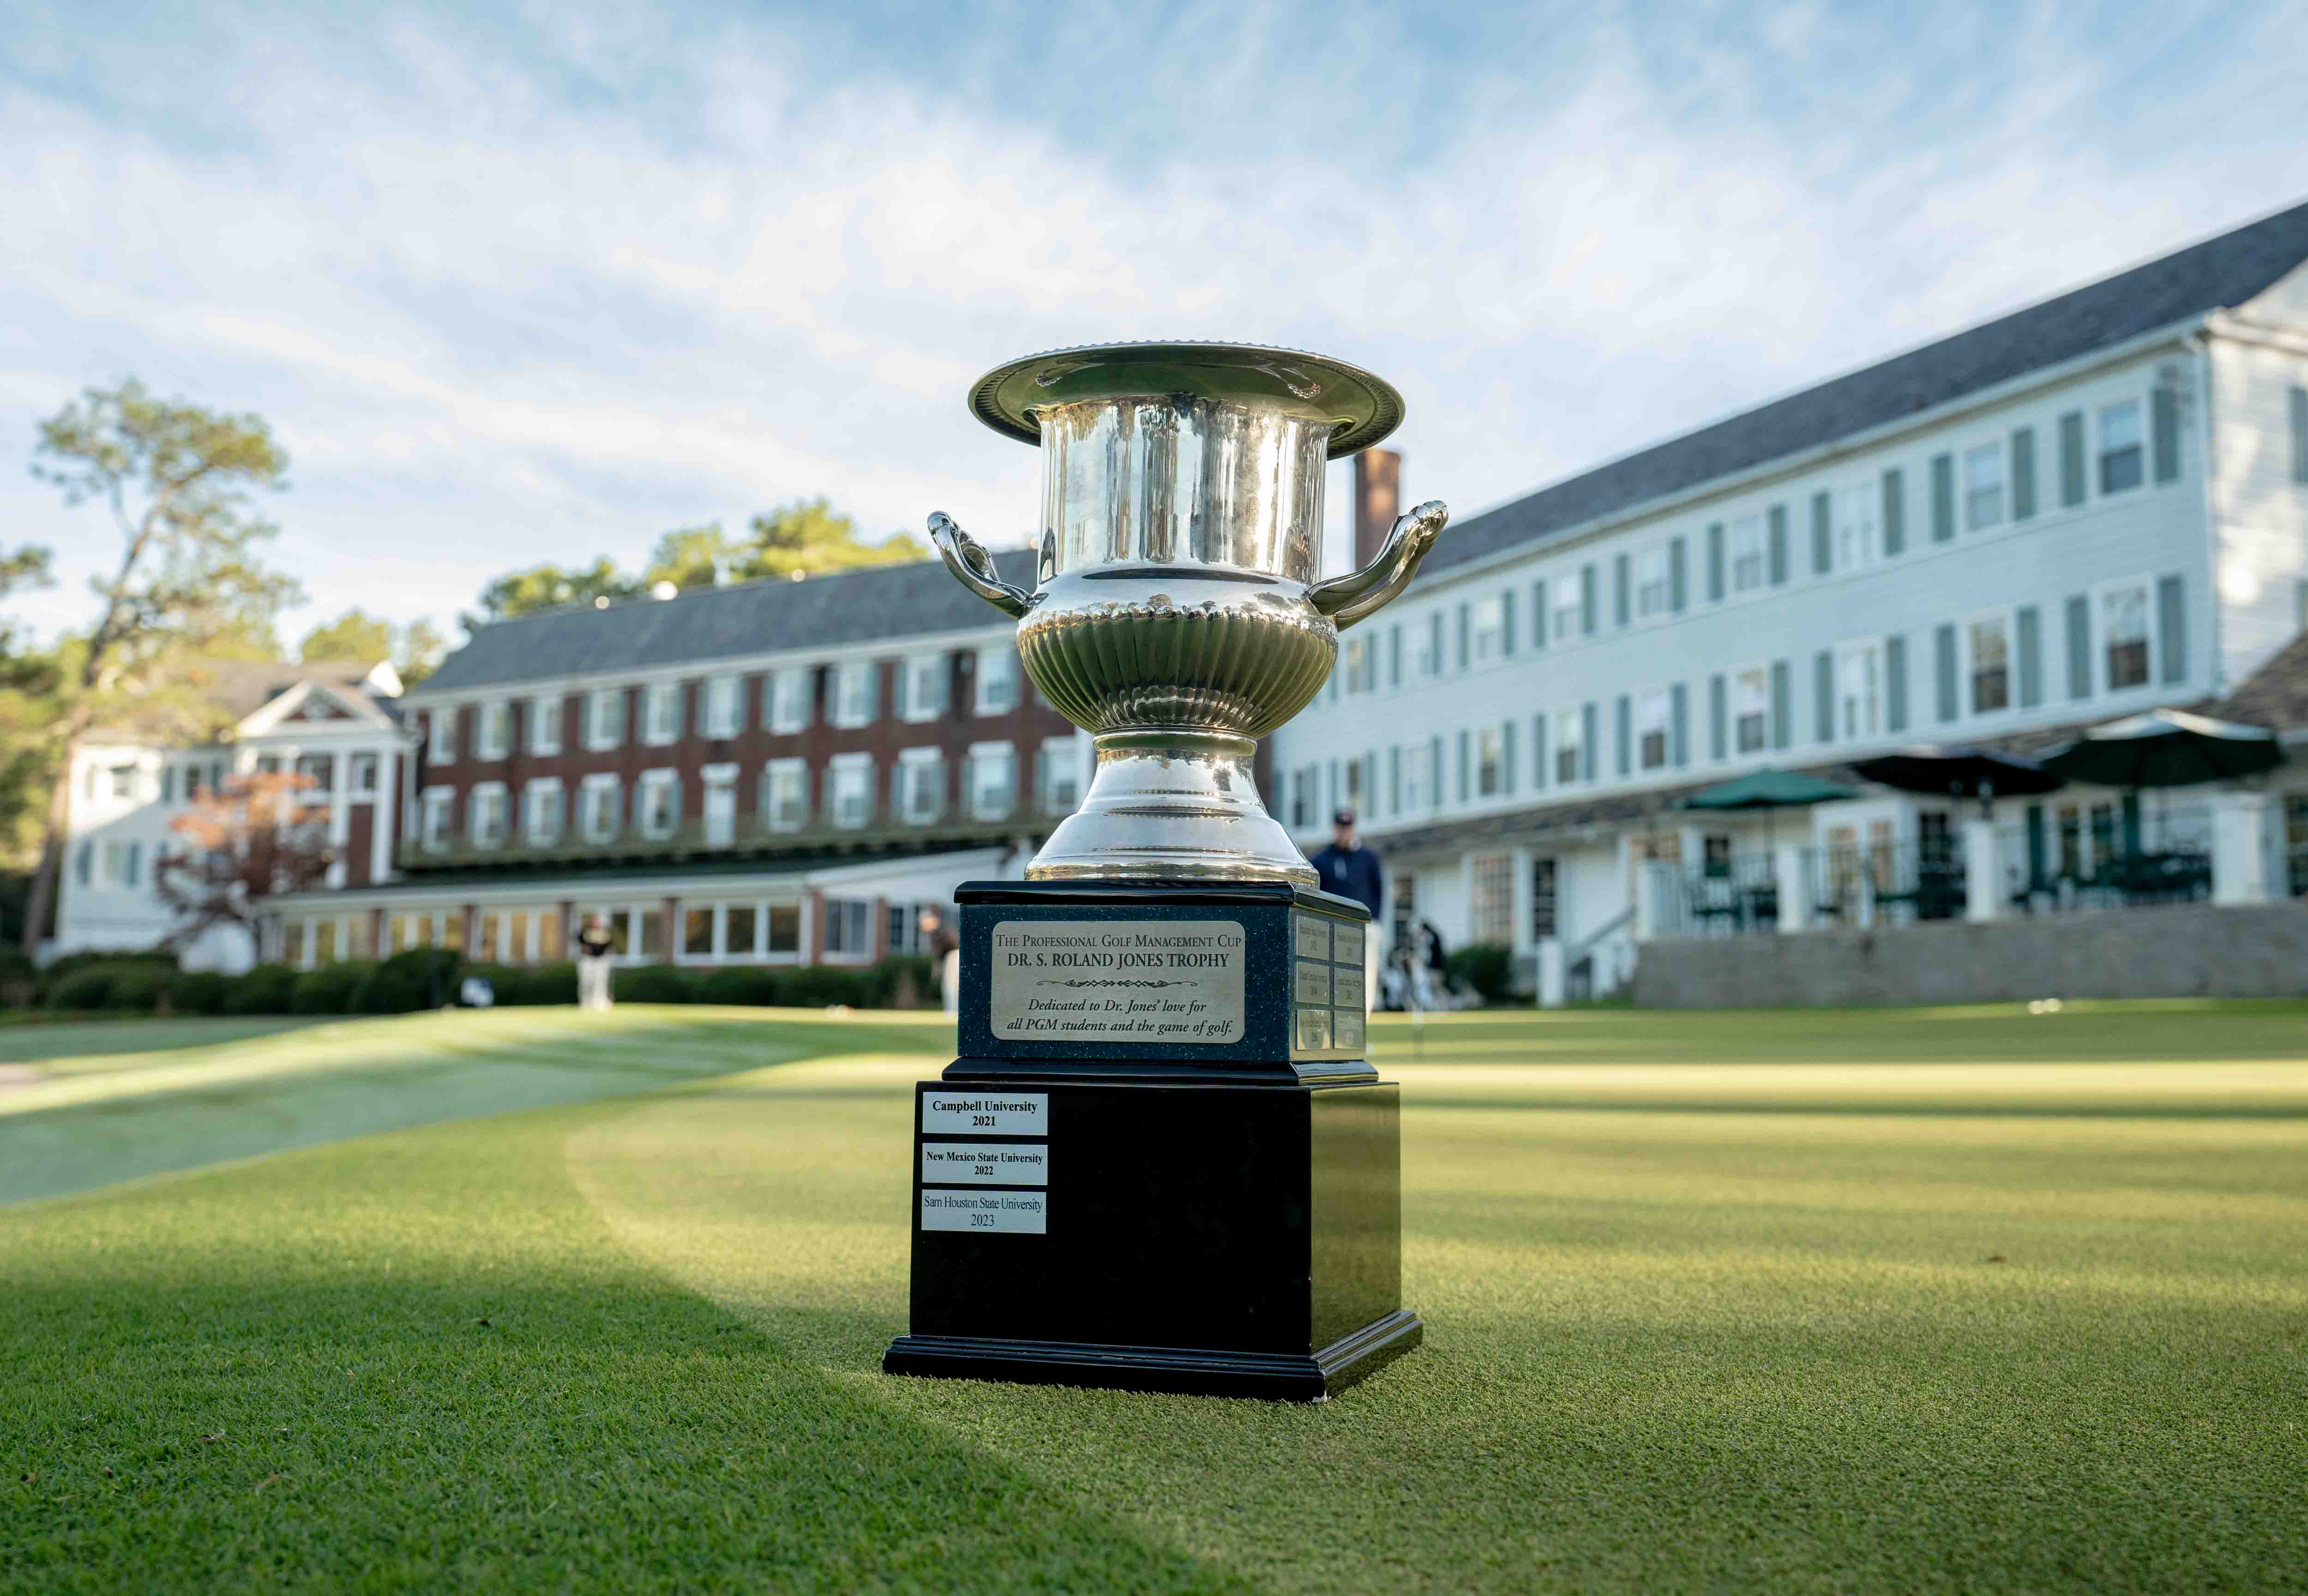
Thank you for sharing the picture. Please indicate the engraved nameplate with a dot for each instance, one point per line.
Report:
(1120, 981)
(986, 1113)
(985, 1163)
(1014, 1212)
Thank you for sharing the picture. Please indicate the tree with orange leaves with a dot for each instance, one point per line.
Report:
(254, 838)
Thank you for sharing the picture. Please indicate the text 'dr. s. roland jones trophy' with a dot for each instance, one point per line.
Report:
(1162, 1160)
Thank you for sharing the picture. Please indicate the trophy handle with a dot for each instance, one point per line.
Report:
(1346, 599)
(973, 567)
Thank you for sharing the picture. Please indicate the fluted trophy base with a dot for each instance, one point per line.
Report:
(1171, 806)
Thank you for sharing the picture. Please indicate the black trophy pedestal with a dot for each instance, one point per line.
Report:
(1160, 1163)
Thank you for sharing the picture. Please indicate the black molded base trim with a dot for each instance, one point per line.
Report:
(1274, 1376)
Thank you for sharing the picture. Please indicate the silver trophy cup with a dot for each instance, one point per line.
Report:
(1175, 616)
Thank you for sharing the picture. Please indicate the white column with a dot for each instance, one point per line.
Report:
(1983, 871)
(2240, 847)
(1550, 973)
(1654, 899)
(1794, 890)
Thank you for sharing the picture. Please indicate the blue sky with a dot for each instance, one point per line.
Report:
(525, 283)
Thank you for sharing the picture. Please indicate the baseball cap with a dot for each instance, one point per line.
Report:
(1344, 817)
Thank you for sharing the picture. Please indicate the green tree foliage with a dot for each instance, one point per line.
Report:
(359, 638)
(179, 483)
(809, 537)
(418, 650)
(548, 587)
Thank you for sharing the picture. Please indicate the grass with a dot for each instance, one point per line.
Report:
(1953, 1298)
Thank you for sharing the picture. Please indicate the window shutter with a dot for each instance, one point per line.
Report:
(1507, 622)
(1434, 769)
(1822, 535)
(1679, 740)
(2172, 628)
(2078, 647)
(2071, 459)
(1778, 551)
(2023, 473)
(1466, 626)
(1588, 733)
(2298, 396)
(1943, 498)
(1822, 684)
(2028, 623)
(1463, 767)
(1538, 616)
(1435, 641)
(1719, 717)
(1394, 656)
(1623, 718)
(1782, 704)
(1895, 511)
(1507, 757)
(1586, 600)
(1715, 563)
(1677, 593)
(1895, 683)
(1622, 610)
(1944, 650)
(2039, 860)
(1537, 753)
(2164, 423)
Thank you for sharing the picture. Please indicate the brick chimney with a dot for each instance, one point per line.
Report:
(1378, 500)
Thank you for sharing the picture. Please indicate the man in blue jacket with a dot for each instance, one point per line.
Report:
(1352, 871)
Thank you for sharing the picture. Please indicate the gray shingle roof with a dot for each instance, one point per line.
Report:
(838, 609)
(2219, 273)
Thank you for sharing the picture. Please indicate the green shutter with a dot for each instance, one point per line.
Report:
(1588, 732)
(1719, 717)
(1678, 739)
(1895, 683)
(1394, 654)
(2071, 459)
(2039, 852)
(1782, 696)
(2164, 433)
(1677, 581)
(1538, 772)
(1466, 626)
(1434, 769)
(1822, 535)
(2298, 396)
(1463, 767)
(1623, 718)
(1394, 781)
(1895, 511)
(2172, 628)
(2023, 473)
(1586, 600)
(2030, 644)
(1507, 622)
(1507, 758)
(1622, 595)
(1822, 683)
(1944, 662)
(1538, 616)
(1943, 498)
(2080, 647)
(1778, 518)
(1715, 561)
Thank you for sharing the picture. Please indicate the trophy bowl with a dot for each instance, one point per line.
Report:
(1176, 617)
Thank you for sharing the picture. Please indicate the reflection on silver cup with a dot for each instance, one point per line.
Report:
(1175, 616)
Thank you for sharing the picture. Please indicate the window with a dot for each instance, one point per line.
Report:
(741, 929)
(1650, 583)
(1746, 553)
(318, 772)
(659, 810)
(1652, 716)
(1360, 663)
(436, 820)
(1855, 546)
(486, 815)
(545, 725)
(921, 785)
(1430, 652)
(1417, 778)
(848, 928)
(719, 711)
(266, 764)
(1751, 710)
(2124, 617)
(789, 699)
(1982, 487)
(697, 932)
(785, 795)
(851, 798)
(1059, 776)
(605, 717)
(854, 687)
(2121, 457)
(998, 679)
(601, 804)
(661, 714)
(1490, 765)
(1542, 900)
(785, 930)
(540, 818)
(441, 743)
(1491, 908)
(720, 809)
(492, 730)
(1569, 739)
(922, 687)
(1490, 628)
(993, 781)
(364, 773)
(1859, 691)
(1991, 665)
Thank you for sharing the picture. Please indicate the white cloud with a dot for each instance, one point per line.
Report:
(498, 322)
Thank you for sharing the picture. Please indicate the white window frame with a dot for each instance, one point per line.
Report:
(843, 772)
(545, 725)
(1567, 741)
(2097, 471)
(1654, 595)
(1967, 687)
(660, 714)
(1857, 540)
(1652, 705)
(718, 702)
(717, 806)
(596, 739)
(441, 735)
(786, 703)
(857, 680)
(486, 800)
(1563, 609)
(996, 680)
(589, 807)
(1759, 675)
(1863, 657)
(492, 730)
(979, 754)
(864, 917)
(920, 770)
(432, 818)
(1989, 454)
(1488, 623)
(922, 688)
(1059, 756)
(1490, 761)
(2103, 679)
(536, 835)
(646, 791)
(778, 775)
(1749, 541)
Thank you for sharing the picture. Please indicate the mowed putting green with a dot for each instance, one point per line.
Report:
(1958, 1298)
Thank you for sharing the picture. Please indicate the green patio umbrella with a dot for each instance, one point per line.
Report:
(1767, 789)
(2166, 748)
